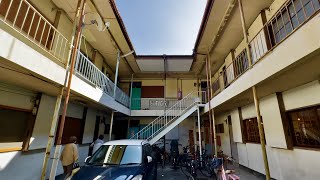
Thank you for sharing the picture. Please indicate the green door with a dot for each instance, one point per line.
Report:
(136, 99)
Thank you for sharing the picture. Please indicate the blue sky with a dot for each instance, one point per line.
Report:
(157, 27)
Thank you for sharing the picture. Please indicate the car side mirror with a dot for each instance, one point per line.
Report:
(87, 159)
(149, 158)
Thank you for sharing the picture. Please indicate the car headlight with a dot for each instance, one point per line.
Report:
(138, 177)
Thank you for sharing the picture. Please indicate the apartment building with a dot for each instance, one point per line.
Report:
(36, 40)
(271, 46)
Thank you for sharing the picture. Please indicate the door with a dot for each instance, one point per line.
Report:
(225, 79)
(136, 99)
(233, 145)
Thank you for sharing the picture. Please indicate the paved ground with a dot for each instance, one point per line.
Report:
(169, 173)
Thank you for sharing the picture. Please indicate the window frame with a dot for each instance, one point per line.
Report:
(246, 131)
(28, 130)
(291, 128)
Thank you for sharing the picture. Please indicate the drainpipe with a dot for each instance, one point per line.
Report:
(255, 96)
(58, 101)
(66, 100)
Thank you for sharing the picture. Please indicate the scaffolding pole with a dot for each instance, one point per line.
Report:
(66, 100)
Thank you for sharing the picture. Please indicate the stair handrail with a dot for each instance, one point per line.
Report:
(172, 108)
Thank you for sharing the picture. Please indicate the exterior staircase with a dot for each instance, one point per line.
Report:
(171, 117)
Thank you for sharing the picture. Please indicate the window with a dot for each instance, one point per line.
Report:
(220, 128)
(293, 14)
(251, 130)
(305, 127)
(117, 155)
(14, 128)
(28, 20)
(72, 127)
(240, 63)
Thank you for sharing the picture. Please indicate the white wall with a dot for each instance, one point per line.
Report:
(299, 163)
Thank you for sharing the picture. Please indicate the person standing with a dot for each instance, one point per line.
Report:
(69, 156)
(96, 144)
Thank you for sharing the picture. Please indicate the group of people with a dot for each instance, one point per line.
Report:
(69, 156)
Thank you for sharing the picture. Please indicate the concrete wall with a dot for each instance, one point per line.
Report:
(17, 161)
(284, 164)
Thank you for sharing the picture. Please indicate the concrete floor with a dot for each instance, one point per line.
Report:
(168, 173)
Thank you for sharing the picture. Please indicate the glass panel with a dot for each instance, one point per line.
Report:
(117, 155)
(316, 4)
(309, 9)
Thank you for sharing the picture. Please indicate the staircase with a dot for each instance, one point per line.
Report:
(171, 118)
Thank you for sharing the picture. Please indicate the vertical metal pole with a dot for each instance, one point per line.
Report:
(111, 124)
(245, 32)
(194, 133)
(116, 75)
(131, 85)
(262, 140)
(256, 102)
(209, 112)
(59, 98)
(51, 135)
(212, 110)
(66, 100)
(199, 129)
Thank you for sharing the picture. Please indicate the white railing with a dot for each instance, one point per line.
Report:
(86, 69)
(170, 115)
(152, 103)
(21, 16)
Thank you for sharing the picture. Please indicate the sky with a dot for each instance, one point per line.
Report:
(157, 27)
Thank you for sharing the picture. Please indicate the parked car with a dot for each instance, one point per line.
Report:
(120, 160)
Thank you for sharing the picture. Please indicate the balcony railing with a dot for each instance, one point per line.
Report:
(160, 103)
(87, 70)
(21, 16)
(290, 17)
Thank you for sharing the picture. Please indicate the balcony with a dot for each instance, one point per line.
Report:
(287, 20)
(25, 20)
(91, 74)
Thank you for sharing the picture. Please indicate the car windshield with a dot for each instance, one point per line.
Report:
(117, 155)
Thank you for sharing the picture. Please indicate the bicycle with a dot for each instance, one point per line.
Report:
(215, 168)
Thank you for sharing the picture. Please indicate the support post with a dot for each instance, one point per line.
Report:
(111, 124)
(116, 76)
(245, 32)
(256, 102)
(262, 140)
(212, 110)
(51, 135)
(131, 85)
(199, 129)
(209, 112)
(66, 100)
(194, 133)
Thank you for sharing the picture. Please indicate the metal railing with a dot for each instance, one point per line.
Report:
(21, 16)
(86, 69)
(152, 103)
(170, 115)
(290, 17)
